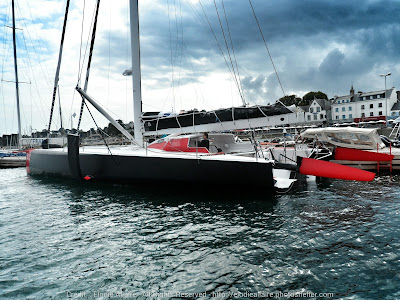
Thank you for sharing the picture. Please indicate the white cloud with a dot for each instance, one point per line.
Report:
(311, 51)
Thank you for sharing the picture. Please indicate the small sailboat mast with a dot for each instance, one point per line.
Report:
(136, 72)
(16, 75)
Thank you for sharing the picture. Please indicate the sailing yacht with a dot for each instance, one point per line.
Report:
(14, 158)
(139, 163)
(177, 158)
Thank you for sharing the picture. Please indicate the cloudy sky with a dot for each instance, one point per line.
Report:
(315, 45)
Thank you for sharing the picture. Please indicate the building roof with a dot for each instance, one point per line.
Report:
(388, 93)
(305, 107)
(325, 104)
(396, 106)
(359, 96)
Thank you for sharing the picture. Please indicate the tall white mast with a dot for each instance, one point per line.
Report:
(136, 72)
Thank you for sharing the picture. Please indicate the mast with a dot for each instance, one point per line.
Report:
(136, 72)
(57, 76)
(16, 76)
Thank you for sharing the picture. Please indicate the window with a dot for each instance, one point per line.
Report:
(374, 96)
(379, 96)
(336, 109)
(350, 116)
(370, 97)
(371, 106)
(343, 108)
(337, 117)
(380, 104)
(311, 110)
(308, 118)
(343, 116)
(347, 100)
(363, 106)
(321, 116)
(380, 113)
(350, 108)
(371, 114)
(318, 109)
(315, 117)
(363, 115)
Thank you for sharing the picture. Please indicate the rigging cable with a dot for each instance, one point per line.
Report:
(29, 65)
(87, 44)
(89, 62)
(216, 39)
(58, 69)
(99, 129)
(59, 104)
(233, 51)
(79, 62)
(80, 48)
(47, 74)
(33, 47)
(266, 46)
(172, 59)
(229, 53)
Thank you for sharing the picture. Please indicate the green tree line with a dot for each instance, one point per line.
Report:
(306, 100)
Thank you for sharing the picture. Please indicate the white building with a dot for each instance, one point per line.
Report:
(318, 112)
(363, 105)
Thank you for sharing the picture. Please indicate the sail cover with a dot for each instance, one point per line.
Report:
(347, 137)
(153, 122)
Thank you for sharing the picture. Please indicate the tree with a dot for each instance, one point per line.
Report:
(290, 100)
(112, 130)
(310, 96)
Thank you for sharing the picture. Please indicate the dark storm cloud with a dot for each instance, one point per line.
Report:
(293, 29)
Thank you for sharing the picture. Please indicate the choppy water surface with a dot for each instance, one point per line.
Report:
(60, 239)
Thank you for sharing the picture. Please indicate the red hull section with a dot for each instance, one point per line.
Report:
(28, 160)
(320, 168)
(360, 155)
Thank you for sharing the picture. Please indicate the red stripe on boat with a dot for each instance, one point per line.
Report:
(360, 155)
(321, 168)
(176, 145)
(28, 160)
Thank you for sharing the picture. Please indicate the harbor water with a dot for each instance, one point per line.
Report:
(60, 239)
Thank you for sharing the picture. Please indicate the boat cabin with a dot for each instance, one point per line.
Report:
(219, 143)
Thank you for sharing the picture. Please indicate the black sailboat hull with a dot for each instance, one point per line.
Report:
(147, 169)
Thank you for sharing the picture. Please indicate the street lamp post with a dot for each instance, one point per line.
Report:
(385, 75)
